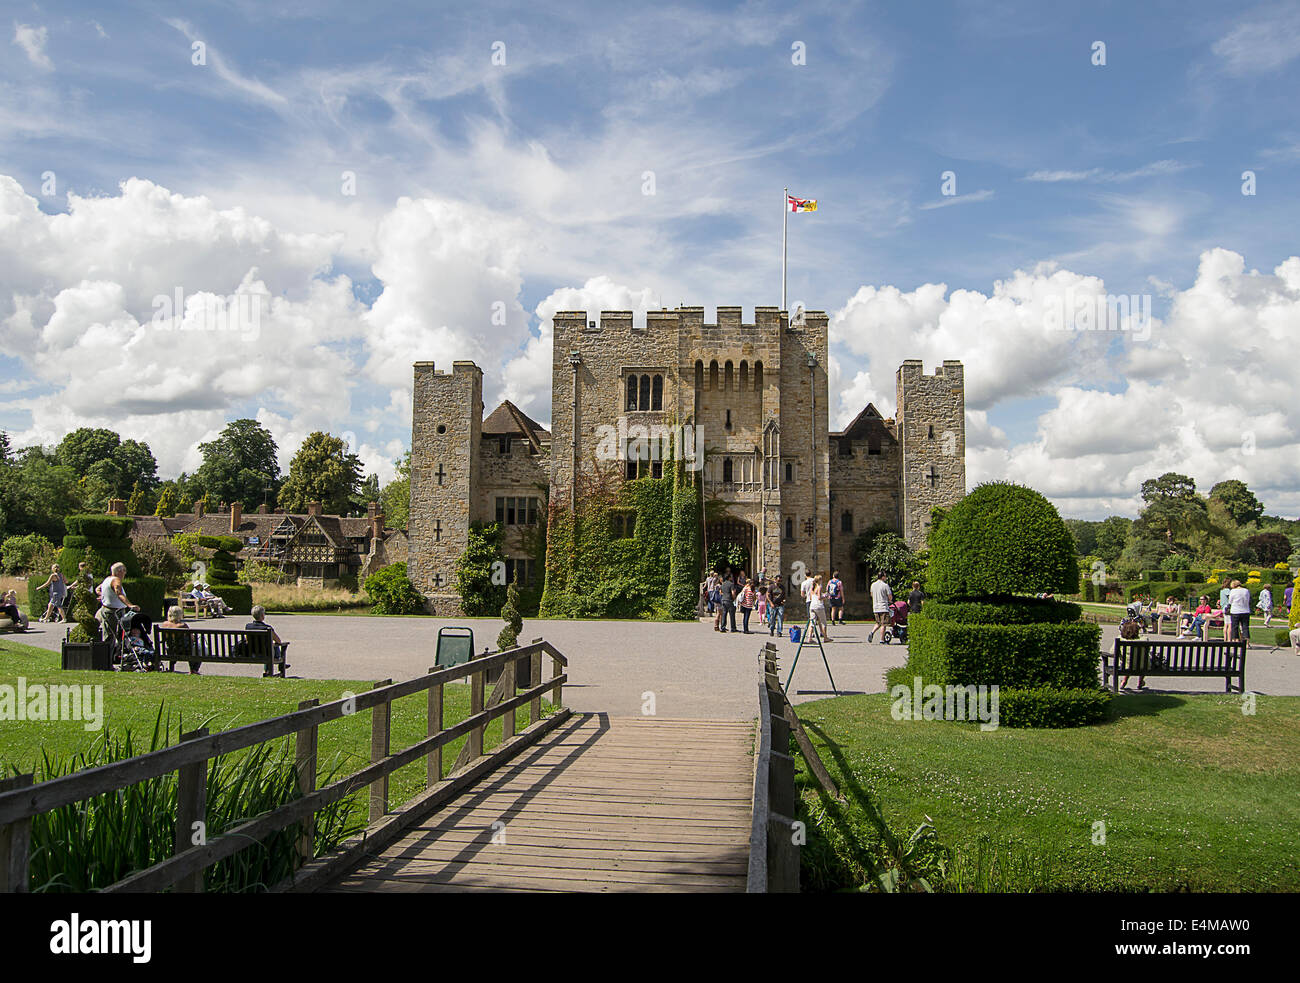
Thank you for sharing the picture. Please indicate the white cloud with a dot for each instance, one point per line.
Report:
(32, 40)
(1266, 40)
(1102, 176)
(983, 195)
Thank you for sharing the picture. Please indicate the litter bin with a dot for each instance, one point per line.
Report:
(796, 634)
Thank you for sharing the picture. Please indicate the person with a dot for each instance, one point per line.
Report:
(835, 595)
(1196, 621)
(711, 590)
(776, 608)
(1286, 597)
(760, 605)
(1130, 629)
(58, 588)
(1295, 641)
(214, 604)
(1171, 610)
(1239, 611)
(817, 605)
(881, 598)
(1265, 605)
(179, 646)
(726, 606)
(9, 607)
(748, 598)
(1224, 604)
(915, 598)
(113, 600)
(259, 624)
(805, 588)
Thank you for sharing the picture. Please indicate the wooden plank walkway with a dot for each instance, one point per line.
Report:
(602, 804)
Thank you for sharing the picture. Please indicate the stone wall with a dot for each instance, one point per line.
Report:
(868, 487)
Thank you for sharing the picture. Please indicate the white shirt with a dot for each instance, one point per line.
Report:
(881, 597)
(1239, 601)
(805, 587)
(107, 596)
(1265, 598)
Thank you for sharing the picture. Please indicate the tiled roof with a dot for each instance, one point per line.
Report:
(509, 420)
(864, 423)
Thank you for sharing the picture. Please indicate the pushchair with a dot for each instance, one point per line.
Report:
(897, 627)
(126, 654)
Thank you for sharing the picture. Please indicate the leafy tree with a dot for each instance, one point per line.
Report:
(36, 494)
(367, 493)
(1084, 533)
(135, 504)
(167, 500)
(1266, 548)
(1239, 501)
(240, 463)
(889, 552)
(4, 447)
(396, 496)
(391, 591)
(86, 447)
(480, 595)
(1173, 507)
(322, 471)
(21, 553)
(135, 466)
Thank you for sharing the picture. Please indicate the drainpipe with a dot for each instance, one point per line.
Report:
(812, 386)
(575, 359)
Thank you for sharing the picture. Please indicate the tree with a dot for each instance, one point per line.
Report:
(481, 593)
(36, 494)
(1173, 507)
(889, 552)
(4, 447)
(135, 466)
(514, 623)
(109, 466)
(1084, 534)
(86, 447)
(1111, 536)
(240, 463)
(322, 471)
(1239, 500)
(167, 500)
(396, 496)
(135, 504)
(367, 493)
(1265, 548)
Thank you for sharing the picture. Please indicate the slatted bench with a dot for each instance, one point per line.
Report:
(224, 645)
(1175, 657)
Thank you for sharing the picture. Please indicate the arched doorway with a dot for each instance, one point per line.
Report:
(732, 543)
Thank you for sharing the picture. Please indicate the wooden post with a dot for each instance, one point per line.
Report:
(380, 720)
(191, 809)
(306, 743)
(475, 740)
(15, 844)
(508, 689)
(435, 727)
(535, 679)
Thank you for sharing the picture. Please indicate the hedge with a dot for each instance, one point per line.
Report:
(1004, 611)
(1002, 538)
(1016, 655)
(1045, 706)
(238, 596)
(99, 527)
(148, 592)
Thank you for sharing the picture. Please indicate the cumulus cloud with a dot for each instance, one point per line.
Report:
(32, 40)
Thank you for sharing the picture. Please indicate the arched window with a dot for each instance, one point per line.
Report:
(727, 470)
(657, 393)
(645, 392)
(729, 376)
(699, 375)
(713, 374)
(744, 375)
(758, 376)
(631, 392)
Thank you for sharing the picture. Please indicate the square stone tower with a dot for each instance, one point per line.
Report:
(446, 427)
(932, 430)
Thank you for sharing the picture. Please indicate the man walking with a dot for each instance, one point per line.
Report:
(776, 608)
(881, 598)
(835, 595)
(1239, 600)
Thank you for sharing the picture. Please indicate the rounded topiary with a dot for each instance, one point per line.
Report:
(1002, 538)
(509, 637)
(221, 567)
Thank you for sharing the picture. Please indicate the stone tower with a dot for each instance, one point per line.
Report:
(931, 422)
(446, 425)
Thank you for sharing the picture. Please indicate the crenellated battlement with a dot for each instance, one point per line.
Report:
(689, 318)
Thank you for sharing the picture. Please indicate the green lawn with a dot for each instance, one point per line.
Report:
(222, 702)
(1194, 795)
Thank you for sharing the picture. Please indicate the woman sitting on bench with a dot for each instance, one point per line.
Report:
(174, 645)
(1193, 623)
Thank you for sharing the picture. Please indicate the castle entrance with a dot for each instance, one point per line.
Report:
(732, 544)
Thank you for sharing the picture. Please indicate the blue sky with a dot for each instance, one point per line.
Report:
(500, 157)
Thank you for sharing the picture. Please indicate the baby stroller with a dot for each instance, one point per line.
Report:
(897, 627)
(126, 653)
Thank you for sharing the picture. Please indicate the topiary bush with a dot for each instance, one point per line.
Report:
(1047, 706)
(1002, 538)
(1009, 655)
(509, 637)
(1005, 611)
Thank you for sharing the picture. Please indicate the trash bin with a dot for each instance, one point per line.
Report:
(796, 634)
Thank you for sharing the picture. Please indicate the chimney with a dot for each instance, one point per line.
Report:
(117, 506)
(313, 508)
(376, 524)
(372, 510)
(263, 509)
(236, 515)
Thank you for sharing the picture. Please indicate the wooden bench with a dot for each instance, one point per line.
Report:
(194, 604)
(1175, 657)
(232, 646)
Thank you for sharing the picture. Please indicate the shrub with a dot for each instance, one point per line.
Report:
(1047, 706)
(1015, 655)
(479, 596)
(1004, 611)
(391, 591)
(509, 636)
(256, 572)
(1175, 561)
(1002, 538)
(238, 596)
(99, 527)
(1282, 638)
(684, 556)
(159, 558)
(148, 592)
(23, 553)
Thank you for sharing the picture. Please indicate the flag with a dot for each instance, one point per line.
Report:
(800, 204)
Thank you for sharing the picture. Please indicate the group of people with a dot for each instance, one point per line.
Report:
(1231, 611)
(725, 592)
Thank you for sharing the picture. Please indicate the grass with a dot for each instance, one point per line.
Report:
(132, 701)
(290, 597)
(1194, 795)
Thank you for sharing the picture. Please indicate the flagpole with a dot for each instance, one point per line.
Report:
(785, 217)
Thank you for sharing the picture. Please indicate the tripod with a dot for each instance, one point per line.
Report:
(812, 631)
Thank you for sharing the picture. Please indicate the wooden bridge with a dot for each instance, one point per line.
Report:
(573, 802)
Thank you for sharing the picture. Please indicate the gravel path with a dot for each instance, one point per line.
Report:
(692, 671)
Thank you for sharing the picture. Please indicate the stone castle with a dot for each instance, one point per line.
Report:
(794, 491)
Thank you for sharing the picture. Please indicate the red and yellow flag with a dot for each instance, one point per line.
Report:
(800, 204)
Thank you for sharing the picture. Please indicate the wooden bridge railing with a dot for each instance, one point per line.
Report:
(773, 850)
(20, 799)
